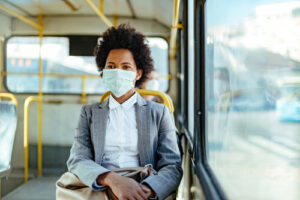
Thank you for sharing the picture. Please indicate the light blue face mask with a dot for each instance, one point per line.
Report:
(118, 81)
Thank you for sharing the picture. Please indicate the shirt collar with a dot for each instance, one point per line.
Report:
(126, 105)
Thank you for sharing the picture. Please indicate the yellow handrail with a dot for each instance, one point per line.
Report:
(171, 103)
(167, 101)
(10, 96)
(174, 28)
(22, 18)
(99, 13)
(168, 76)
(83, 93)
(51, 75)
(82, 76)
(26, 106)
(72, 5)
(104, 96)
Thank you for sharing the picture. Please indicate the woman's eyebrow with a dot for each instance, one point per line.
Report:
(109, 62)
(126, 63)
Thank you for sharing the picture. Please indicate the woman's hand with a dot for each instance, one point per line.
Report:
(124, 188)
(147, 190)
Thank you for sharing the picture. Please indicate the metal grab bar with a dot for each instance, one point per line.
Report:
(26, 111)
(166, 98)
(9, 96)
(61, 75)
(82, 76)
(99, 13)
(174, 28)
(21, 17)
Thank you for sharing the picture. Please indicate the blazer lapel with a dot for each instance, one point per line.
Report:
(143, 126)
(100, 117)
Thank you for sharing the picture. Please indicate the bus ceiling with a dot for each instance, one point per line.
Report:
(88, 17)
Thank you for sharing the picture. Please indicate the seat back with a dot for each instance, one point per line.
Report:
(167, 101)
(8, 124)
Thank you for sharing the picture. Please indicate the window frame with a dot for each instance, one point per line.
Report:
(182, 78)
(4, 62)
(183, 63)
(180, 85)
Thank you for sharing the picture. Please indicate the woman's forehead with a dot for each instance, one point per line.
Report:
(120, 56)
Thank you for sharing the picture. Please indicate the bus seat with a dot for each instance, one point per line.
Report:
(167, 101)
(8, 123)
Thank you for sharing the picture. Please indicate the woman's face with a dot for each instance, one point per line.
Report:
(122, 59)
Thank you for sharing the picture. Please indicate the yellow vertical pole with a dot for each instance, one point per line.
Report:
(40, 94)
(26, 141)
(115, 18)
(101, 7)
(174, 28)
(28, 100)
(1, 66)
(40, 17)
(83, 95)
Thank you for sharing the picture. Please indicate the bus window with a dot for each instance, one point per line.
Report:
(252, 146)
(159, 52)
(63, 73)
(191, 67)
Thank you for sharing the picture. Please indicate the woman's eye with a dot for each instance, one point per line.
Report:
(126, 67)
(110, 66)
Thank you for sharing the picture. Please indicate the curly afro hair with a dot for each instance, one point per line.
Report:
(125, 37)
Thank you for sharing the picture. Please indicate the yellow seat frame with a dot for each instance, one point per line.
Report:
(167, 101)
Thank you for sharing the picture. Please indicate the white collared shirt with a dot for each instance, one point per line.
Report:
(121, 139)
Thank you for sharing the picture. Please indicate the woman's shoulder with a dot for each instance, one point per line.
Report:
(88, 107)
(158, 107)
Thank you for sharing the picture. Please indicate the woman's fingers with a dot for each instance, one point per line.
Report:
(135, 190)
(145, 188)
(139, 196)
(144, 193)
(129, 189)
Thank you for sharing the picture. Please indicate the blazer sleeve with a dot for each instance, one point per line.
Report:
(81, 161)
(168, 163)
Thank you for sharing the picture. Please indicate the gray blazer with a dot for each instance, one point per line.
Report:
(157, 145)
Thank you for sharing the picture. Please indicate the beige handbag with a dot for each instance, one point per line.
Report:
(69, 187)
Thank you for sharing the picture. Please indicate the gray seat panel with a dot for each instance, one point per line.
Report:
(8, 123)
(4, 171)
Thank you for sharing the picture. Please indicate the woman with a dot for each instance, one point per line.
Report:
(152, 83)
(125, 130)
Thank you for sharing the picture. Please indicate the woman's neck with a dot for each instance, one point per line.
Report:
(124, 97)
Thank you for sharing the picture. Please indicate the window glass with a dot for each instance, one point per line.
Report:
(252, 80)
(62, 72)
(181, 114)
(191, 67)
(22, 64)
(159, 53)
